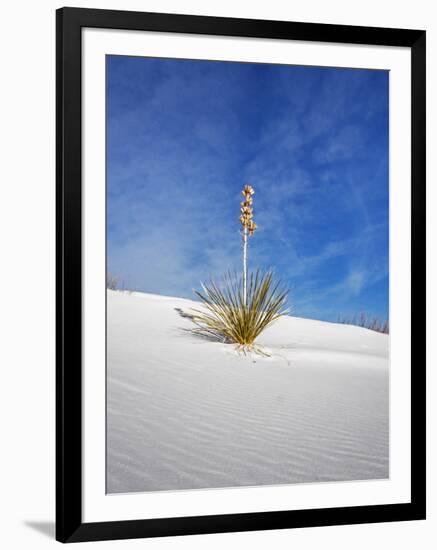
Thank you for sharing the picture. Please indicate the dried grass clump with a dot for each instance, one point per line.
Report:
(364, 321)
(112, 283)
(234, 317)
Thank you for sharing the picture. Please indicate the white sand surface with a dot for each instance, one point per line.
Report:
(184, 412)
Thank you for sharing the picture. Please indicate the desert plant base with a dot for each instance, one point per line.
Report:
(249, 349)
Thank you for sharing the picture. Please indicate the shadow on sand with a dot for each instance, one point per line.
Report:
(198, 332)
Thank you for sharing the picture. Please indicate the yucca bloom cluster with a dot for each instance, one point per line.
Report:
(246, 210)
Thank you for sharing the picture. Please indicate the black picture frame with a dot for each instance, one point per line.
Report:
(69, 525)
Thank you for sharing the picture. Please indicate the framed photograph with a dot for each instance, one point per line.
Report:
(240, 274)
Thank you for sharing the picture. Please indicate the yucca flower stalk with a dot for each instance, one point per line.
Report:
(249, 227)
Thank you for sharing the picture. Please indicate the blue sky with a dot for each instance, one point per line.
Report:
(183, 137)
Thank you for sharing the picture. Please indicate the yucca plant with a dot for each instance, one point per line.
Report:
(235, 318)
(239, 307)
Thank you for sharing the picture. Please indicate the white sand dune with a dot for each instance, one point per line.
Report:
(184, 412)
